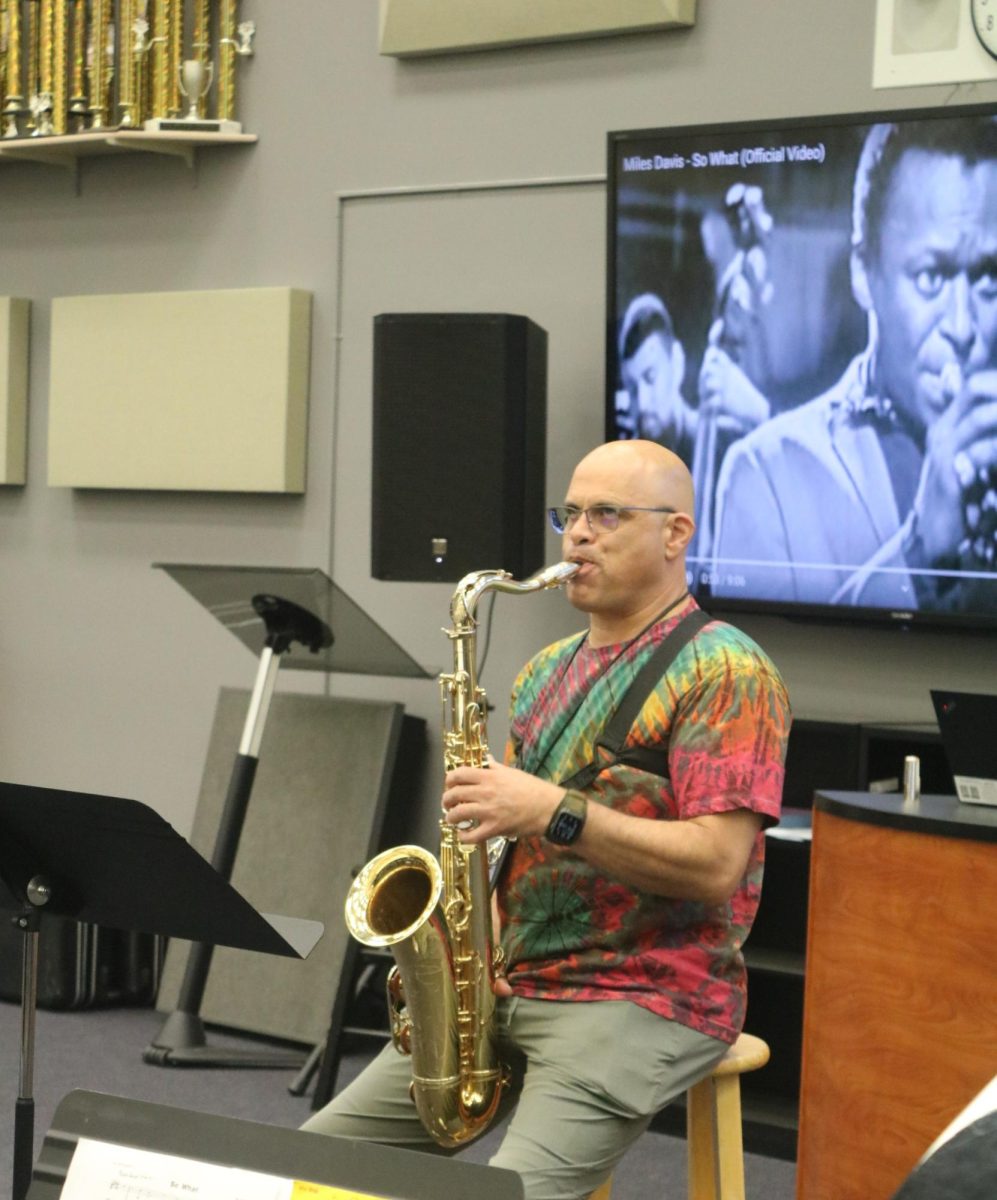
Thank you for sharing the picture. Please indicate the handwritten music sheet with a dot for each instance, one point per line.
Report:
(104, 1171)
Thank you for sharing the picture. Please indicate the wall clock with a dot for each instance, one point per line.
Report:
(984, 14)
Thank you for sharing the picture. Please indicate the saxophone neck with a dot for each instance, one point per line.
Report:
(472, 587)
(464, 603)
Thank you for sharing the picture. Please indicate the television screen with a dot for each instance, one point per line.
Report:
(805, 311)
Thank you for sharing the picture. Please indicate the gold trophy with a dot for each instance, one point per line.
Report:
(195, 75)
(100, 60)
(59, 115)
(40, 103)
(127, 75)
(174, 39)
(78, 107)
(233, 41)
(162, 64)
(150, 57)
(14, 104)
(32, 66)
(48, 66)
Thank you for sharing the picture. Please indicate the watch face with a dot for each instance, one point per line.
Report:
(984, 13)
(567, 821)
(564, 829)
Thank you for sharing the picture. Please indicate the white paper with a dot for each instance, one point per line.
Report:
(103, 1171)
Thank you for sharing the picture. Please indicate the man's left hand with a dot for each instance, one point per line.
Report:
(500, 801)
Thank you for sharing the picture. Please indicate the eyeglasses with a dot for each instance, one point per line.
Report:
(600, 517)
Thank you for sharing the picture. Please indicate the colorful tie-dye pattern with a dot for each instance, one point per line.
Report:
(572, 933)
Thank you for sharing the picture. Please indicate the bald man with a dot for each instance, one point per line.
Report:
(634, 878)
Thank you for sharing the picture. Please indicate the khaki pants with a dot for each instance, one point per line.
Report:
(587, 1078)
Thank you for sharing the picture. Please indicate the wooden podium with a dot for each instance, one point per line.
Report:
(900, 1008)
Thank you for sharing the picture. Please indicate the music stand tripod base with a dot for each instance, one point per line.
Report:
(182, 1043)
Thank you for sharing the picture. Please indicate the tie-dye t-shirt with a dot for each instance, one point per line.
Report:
(573, 933)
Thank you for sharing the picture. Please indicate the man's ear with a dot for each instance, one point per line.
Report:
(679, 529)
(860, 280)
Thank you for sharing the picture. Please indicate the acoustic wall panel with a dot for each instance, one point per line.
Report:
(195, 391)
(14, 320)
(410, 27)
(315, 815)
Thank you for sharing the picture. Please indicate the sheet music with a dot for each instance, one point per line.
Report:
(104, 1171)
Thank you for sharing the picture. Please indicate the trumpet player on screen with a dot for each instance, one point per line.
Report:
(883, 491)
(633, 879)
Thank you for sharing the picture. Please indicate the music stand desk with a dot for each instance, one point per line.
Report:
(114, 862)
(345, 1163)
(118, 863)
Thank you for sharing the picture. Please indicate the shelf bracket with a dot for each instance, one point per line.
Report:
(176, 149)
(68, 162)
(55, 159)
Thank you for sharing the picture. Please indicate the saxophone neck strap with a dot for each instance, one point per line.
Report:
(609, 748)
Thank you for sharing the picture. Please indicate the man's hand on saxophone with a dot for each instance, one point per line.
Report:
(498, 801)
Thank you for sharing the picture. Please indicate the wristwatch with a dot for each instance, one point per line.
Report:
(568, 820)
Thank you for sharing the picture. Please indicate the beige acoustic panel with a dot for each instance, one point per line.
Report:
(316, 813)
(193, 391)
(411, 27)
(14, 323)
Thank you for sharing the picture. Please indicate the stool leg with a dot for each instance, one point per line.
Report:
(715, 1147)
(701, 1141)
(730, 1146)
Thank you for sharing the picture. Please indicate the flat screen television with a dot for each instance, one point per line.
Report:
(805, 311)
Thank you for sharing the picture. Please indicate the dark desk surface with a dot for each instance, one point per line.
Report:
(943, 816)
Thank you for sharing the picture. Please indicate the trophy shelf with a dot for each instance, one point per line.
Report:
(65, 150)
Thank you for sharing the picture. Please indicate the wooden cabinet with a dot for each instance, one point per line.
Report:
(822, 755)
(900, 1025)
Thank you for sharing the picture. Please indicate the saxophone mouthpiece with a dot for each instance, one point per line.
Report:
(556, 575)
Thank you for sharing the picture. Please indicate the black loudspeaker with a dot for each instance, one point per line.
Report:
(460, 445)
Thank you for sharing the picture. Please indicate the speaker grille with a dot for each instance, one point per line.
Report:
(459, 448)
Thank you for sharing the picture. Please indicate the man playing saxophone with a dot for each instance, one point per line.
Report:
(632, 884)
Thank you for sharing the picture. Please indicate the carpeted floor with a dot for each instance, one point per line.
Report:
(102, 1051)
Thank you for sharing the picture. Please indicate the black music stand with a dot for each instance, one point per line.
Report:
(297, 616)
(351, 1167)
(117, 863)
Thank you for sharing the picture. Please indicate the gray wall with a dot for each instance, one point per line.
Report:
(109, 671)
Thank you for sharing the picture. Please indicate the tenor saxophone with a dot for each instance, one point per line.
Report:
(435, 916)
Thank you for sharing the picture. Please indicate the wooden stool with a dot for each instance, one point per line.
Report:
(713, 1126)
